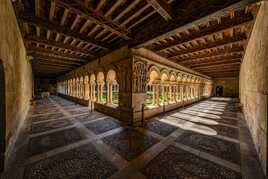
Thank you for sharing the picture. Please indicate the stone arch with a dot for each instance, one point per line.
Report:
(92, 78)
(154, 75)
(154, 68)
(172, 77)
(100, 77)
(179, 77)
(2, 116)
(165, 73)
(164, 77)
(111, 75)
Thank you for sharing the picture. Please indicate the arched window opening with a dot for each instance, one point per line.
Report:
(93, 87)
(172, 89)
(101, 88)
(112, 88)
(86, 87)
(164, 89)
(153, 89)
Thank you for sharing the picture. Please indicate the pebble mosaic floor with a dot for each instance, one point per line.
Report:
(64, 140)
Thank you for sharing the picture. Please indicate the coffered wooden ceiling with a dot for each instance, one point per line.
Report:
(209, 36)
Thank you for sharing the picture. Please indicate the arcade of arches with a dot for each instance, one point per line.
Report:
(90, 89)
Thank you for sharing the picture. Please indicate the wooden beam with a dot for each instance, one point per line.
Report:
(215, 44)
(215, 62)
(114, 6)
(64, 17)
(136, 14)
(126, 10)
(181, 28)
(52, 66)
(212, 46)
(58, 45)
(211, 54)
(38, 62)
(90, 14)
(206, 71)
(162, 7)
(37, 8)
(212, 57)
(202, 35)
(54, 52)
(52, 10)
(217, 65)
(100, 4)
(62, 30)
(57, 61)
(50, 55)
(77, 18)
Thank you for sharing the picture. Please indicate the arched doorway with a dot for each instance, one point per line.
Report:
(2, 117)
(219, 91)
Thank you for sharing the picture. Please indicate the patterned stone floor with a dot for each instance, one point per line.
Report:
(64, 140)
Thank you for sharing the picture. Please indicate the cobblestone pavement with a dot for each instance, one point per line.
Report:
(64, 140)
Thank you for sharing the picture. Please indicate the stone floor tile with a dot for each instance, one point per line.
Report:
(102, 125)
(177, 163)
(130, 143)
(81, 163)
(44, 143)
(49, 125)
(217, 147)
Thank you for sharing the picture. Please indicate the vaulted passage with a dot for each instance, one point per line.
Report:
(133, 89)
(66, 139)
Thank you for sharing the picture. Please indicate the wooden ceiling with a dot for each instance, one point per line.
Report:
(61, 35)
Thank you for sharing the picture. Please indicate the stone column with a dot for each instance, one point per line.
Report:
(101, 92)
(154, 96)
(163, 93)
(157, 93)
(169, 93)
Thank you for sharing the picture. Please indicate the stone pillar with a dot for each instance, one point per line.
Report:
(169, 93)
(154, 95)
(101, 92)
(157, 93)
(163, 93)
(110, 97)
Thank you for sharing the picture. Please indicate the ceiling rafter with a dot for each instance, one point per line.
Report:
(62, 30)
(162, 7)
(220, 62)
(50, 55)
(217, 65)
(59, 45)
(201, 36)
(226, 56)
(44, 50)
(203, 20)
(222, 44)
(56, 61)
(90, 14)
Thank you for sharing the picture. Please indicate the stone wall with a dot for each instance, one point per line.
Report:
(18, 72)
(230, 86)
(254, 83)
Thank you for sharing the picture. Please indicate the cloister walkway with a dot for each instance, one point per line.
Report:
(62, 140)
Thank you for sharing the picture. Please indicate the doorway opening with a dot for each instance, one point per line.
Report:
(2, 117)
(219, 91)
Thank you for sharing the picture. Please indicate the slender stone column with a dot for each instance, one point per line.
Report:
(169, 93)
(154, 96)
(162, 92)
(108, 93)
(157, 94)
(101, 92)
(111, 93)
(86, 89)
